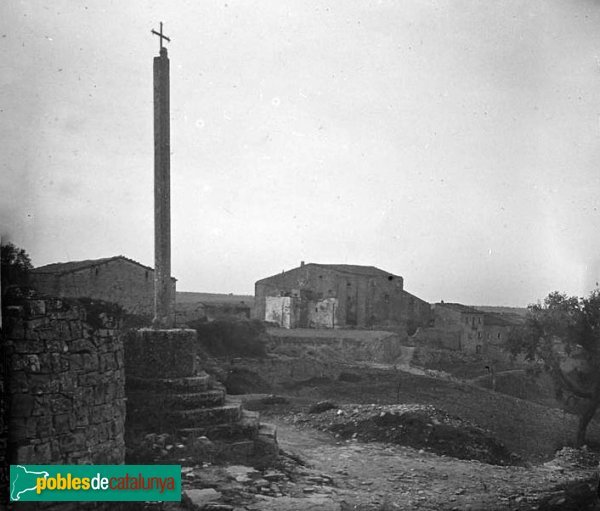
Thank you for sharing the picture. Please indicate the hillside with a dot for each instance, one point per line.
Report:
(213, 298)
(519, 311)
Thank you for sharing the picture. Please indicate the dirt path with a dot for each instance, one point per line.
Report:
(380, 476)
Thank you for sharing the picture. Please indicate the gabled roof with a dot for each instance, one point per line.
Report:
(459, 307)
(352, 269)
(72, 266)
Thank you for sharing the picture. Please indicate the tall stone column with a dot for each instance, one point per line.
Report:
(163, 314)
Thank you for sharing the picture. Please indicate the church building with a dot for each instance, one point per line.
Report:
(338, 296)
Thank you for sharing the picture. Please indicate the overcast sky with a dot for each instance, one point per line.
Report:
(454, 143)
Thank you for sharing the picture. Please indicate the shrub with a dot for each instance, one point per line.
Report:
(223, 338)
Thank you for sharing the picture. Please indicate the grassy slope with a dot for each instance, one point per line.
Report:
(517, 383)
(529, 429)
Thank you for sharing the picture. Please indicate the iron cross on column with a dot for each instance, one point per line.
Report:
(160, 35)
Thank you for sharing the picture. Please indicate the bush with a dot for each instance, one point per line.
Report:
(244, 381)
(222, 338)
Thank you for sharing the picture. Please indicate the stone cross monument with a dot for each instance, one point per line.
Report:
(167, 390)
(163, 313)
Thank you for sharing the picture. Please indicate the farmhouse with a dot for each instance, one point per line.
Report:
(338, 295)
(464, 322)
(113, 279)
(465, 328)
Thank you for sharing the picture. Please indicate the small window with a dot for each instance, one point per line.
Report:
(478, 349)
(478, 335)
(498, 335)
(96, 271)
(146, 274)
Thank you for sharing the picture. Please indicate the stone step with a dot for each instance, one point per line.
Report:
(152, 402)
(266, 448)
(206, 399)
(199, 383)
(204, 417)
(267, 430)
(251, 419)
(234, 452)
(244, 429)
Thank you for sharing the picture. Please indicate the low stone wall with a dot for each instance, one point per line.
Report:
(336, 345)
(64, 385)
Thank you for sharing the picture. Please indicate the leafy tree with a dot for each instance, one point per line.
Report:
(563, 335)
(15, 265)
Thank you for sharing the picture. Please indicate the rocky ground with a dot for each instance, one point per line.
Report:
(414, 425)
(317, 471)
(399, 441)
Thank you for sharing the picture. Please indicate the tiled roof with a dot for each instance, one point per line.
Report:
(368, 271)
(352, 269)
(71, 266)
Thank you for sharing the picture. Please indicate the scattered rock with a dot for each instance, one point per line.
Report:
(274, 475)
(241, 473)
(198, 498)
(322, 406)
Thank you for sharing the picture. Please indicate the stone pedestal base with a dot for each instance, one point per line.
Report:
(168, 393)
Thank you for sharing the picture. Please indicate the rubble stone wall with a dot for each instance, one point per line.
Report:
(65, 385)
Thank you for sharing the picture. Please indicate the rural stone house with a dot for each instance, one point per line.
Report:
(338, 295)
(497, 328)
(461, 323)
(468, 329)
(114, 279)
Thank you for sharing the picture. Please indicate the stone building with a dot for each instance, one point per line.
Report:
(338, 295)
(468, 329)
(114, 279)
(464, 322)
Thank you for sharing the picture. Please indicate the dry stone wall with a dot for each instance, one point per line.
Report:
(64, 384)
